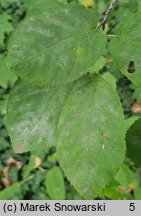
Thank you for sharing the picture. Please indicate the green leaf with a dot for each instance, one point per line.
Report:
(98, 65)
(131, 120)
(133, 142)
(35, 7)
(6, 193)
(55, 186)
(125, 47)
(5, 26)
(126, 178)
(111, 191)
(3, 144)
(13, 174)
(56, 47)
(29, 167)
(91, 135)
(33, 114)
(5, 74)
(110, 79)
(115, 191)
(3, 105)
(137, 193)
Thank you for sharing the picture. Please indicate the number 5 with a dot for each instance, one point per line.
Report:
(132, 207)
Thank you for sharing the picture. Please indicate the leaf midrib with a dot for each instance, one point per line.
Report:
(53, 45)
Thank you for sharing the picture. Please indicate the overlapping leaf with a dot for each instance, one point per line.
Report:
(10, 191)
(91, 127)
(33, 114)
(56, 47)
(127, 178)
(55, 186)
(125, 47)
(91, 134)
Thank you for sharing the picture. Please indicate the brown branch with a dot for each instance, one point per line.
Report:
(106, 15)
